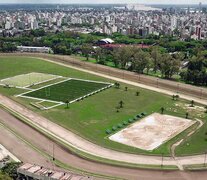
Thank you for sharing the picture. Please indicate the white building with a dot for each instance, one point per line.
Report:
(8, 25)
(34, 49)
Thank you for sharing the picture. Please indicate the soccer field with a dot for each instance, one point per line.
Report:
(26, 80)
(69, 90)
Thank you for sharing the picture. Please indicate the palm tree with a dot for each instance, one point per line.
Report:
(117, 85)
(206, 109)
(162, 110)
(192, 103)
(67, 102)
(173, 97)
(121, 104)
(186, 115)
(137, 93)
(177, 97)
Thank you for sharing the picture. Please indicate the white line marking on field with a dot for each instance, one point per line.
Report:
(21, 95)
(29, 74)
(43, 81)
(58, 103)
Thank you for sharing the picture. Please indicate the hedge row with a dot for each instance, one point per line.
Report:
(125, 123)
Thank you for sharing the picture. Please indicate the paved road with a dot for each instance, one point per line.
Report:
(26, 154)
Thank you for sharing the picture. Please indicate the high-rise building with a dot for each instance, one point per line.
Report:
(198, 32)
(200, 6)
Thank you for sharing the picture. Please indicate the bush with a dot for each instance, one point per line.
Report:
(108, 131)
(119, 125)
(11, 169)
(144, 114)
(125, 123)
(139, 115)
(130, 121)
(114, 128)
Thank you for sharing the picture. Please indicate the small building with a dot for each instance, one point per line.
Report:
(34, 49)
(105, 41)
(29, 171)
(114, 46)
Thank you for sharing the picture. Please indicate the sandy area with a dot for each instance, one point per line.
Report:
(152, 131)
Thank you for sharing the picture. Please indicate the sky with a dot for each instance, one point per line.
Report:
(106, 1)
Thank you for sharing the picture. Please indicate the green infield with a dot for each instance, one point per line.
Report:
(69, 90)
(94, 115)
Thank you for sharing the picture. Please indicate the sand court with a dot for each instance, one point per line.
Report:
(152, 131)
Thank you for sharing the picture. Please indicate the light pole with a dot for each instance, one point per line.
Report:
(162, 160)
(201, 94)
(205, 156)
(178, 88)
(157, 82)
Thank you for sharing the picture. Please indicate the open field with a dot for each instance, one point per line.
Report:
(90, 118)
(152, 131)
(70, 90)
(27, 80)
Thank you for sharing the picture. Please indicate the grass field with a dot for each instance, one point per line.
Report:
(26, 80)
(67, 90)
(90, 118)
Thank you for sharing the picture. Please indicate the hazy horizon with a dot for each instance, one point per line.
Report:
(103, 2)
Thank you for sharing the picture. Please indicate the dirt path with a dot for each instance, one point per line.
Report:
(26, 154)
(173, 147)
(20, 149)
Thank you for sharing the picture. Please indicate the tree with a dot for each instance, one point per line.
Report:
(67, 102)
(122, 56)
(169, 65)
(121, 104)
(173, 97)
(196, 70)
(117, 85)
(162, 110)
(156, 56)
(177, 97)
(126, 88)
(186, 115)
(140, 61)
(206, 109)
(98, 54)
(137, 93)
(86, 50)
(192, 103)
(11, 169)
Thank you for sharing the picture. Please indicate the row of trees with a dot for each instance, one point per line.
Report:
(138, 60)
(157, 58)
(196, 72)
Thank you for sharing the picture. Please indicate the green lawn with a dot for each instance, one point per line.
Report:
(67, 90)
(91, 117)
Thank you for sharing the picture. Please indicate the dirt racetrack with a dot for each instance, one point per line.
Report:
(175, 87)
(63, 155)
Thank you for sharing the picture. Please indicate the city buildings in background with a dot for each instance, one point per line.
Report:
(132, 19)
